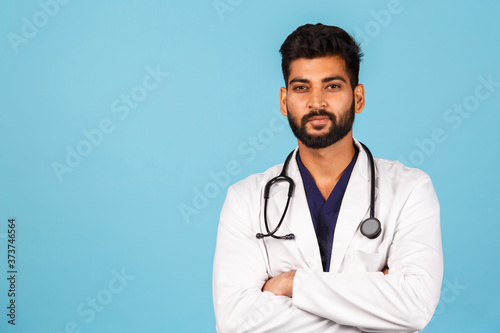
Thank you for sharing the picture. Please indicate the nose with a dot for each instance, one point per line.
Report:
(317, 99)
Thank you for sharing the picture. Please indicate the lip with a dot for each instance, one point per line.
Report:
(319, 120)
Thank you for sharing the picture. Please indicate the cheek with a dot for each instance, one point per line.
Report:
(341, 102)
(297, 104)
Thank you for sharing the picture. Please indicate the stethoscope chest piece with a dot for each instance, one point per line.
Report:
(371, 228)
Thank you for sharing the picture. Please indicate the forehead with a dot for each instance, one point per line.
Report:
(318, 68)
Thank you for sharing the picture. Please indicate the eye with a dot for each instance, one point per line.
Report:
(333, 86)
(299, 88)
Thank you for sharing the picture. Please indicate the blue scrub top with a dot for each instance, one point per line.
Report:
(325, 213)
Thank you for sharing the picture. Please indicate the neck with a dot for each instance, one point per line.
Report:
(326, 165)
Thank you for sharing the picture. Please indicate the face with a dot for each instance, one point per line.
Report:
(319, 102)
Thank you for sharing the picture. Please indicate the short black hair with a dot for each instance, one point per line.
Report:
(318, 40)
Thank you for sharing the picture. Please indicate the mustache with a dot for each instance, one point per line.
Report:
(318, 112)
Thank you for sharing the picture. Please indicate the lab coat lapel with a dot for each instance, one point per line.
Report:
(301, 222)
(355, 207)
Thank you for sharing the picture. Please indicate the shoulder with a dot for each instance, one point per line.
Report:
(398, 171)
(394, 173)
(403, 181)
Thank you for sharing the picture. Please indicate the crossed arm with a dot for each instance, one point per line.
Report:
(282, 285)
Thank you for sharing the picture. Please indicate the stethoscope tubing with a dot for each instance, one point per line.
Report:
(370, 227)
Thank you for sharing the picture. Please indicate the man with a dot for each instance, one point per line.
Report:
(318, 272)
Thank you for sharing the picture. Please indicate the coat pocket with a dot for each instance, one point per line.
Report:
(368, 262)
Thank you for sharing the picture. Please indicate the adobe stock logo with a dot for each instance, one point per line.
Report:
(450, 292)
(381, 19)
(247, 150)
(454, 116)
(261, 311)
(30, 28)
(98, 302)
(223, 6)
(94, 137)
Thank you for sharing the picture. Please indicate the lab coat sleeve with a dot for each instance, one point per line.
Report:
(239, 275)
(403, 300)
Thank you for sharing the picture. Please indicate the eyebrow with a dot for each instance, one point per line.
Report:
(327, 79)
(334, 78)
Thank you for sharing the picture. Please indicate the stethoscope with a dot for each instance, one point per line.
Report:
(370, 228)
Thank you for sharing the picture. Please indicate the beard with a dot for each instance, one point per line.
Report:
(337, 131)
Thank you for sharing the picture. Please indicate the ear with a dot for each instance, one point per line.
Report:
(359, 98)
(283, 101)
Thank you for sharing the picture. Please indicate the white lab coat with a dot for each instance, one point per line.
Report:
(354, 296)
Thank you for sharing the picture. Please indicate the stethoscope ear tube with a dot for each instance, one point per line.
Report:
(272, 233)
(282, 177)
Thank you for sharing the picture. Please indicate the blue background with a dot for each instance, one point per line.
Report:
(121, 208)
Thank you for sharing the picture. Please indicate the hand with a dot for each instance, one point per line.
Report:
(281, 285)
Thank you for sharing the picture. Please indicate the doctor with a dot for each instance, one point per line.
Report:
(326, 275)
